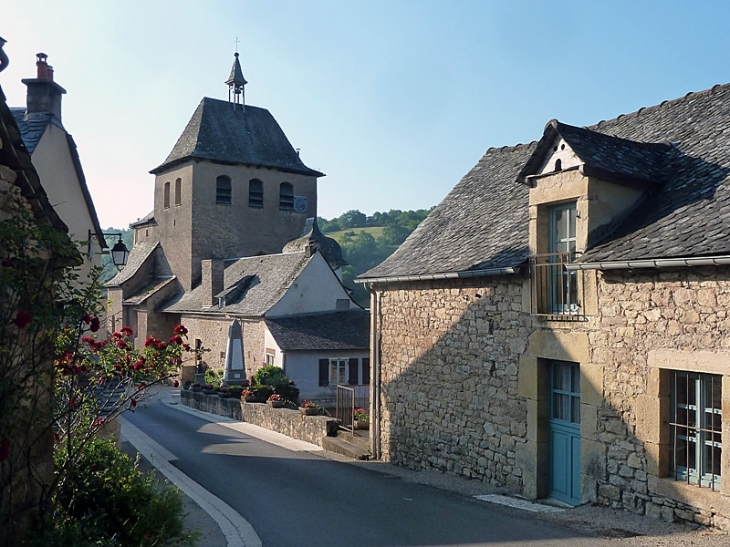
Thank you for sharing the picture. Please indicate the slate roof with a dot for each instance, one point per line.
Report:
(33, 126)
(148, 219)
(222, 131)
(313, 236)
(480, 225)
(340, 330)
(269, 277)
(611, 158)
(137, 257)
(482, 222)
(156, 286)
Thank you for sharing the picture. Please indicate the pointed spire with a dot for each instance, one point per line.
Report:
(236, 83)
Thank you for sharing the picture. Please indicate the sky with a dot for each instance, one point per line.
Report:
(395, 100)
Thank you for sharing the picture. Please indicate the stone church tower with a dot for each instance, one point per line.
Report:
(232, 186)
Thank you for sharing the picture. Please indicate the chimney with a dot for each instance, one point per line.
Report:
(212, 282)
(44, 95)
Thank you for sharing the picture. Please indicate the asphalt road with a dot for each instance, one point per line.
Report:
(295, 498)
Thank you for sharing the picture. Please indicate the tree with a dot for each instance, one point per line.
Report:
(352, 219)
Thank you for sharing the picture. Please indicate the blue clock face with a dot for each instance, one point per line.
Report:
(300, 204)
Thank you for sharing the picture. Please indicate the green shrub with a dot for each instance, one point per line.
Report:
(270, 375)
(107, 500)
(212, 377)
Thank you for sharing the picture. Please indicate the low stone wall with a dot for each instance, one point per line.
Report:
(289, 422)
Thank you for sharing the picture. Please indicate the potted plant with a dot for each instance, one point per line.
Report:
(197, 387)
(208, 389)
(236, 391)
(248, 395)
(362, 419)
(224, 392)
(275, 400)
(309, 408)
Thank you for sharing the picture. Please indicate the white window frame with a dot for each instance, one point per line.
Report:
(339, 371)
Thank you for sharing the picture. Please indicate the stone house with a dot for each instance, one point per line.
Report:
(558, 326)
(56, 160)
(232, 238)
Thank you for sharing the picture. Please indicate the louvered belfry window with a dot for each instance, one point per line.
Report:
(286, 196)
(223, 190)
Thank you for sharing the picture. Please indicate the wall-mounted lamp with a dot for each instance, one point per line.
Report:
(120, 253)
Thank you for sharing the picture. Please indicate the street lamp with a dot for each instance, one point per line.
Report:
(120, 253)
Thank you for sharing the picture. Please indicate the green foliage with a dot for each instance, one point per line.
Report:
(212, 377)
(106, 500)
(270, 375)
(363, 247)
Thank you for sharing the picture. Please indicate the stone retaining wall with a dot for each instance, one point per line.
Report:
(289, 422)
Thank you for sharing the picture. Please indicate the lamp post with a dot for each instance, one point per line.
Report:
(120, 253)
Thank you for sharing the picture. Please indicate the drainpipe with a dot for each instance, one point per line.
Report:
(375, 436)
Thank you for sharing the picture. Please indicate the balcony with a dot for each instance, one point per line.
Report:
(556, 292)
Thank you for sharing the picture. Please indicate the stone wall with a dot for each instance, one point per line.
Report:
(289, 422)
(654, 321)
(450, 354)
(464, 387)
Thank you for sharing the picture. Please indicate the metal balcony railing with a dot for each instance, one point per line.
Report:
(554, 290)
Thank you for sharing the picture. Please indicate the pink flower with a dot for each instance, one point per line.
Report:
(22, 319)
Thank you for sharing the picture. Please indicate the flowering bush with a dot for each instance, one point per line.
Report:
(361, 415)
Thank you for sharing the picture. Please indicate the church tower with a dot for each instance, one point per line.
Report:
(232, 186)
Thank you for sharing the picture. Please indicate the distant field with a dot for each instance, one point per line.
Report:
(374, 231)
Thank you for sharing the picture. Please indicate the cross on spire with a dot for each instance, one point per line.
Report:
(236, 42)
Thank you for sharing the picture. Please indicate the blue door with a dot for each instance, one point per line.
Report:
(565, 431)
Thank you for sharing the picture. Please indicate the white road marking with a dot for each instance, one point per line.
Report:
(237, 530)
(273, 437)
(519, 504)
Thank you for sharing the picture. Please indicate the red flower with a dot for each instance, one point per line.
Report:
(160, 345)
(187, 347)
(98, 422)
(86, 318)
(138, 365)
(95, 324)
(177, 339)
(88, 340)
(176, 384)
(22, 319)
(179, 329)
(4, 449)
(117, 336)
(126, 331)
(149, 342)
(133, 403)
(121, 344)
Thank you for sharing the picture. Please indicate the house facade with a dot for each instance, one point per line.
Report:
(232, 239)
(558, 325)
(56, 160)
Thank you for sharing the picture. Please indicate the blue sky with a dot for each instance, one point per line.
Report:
(394, 100)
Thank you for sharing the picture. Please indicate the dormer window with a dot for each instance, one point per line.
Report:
(558, 165)
(555, 289)
(223, 190)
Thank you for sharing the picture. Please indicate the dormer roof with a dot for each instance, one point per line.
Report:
(631, 163)
(224, 132)
(313, 238)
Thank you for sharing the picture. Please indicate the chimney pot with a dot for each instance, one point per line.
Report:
(42, 66)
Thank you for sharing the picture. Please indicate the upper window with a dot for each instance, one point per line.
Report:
(166, 198)
(286, 196)
(555, 289)
(338, 371)
(223, 190)
(178, 192)
(695, 428)
(256, 194)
